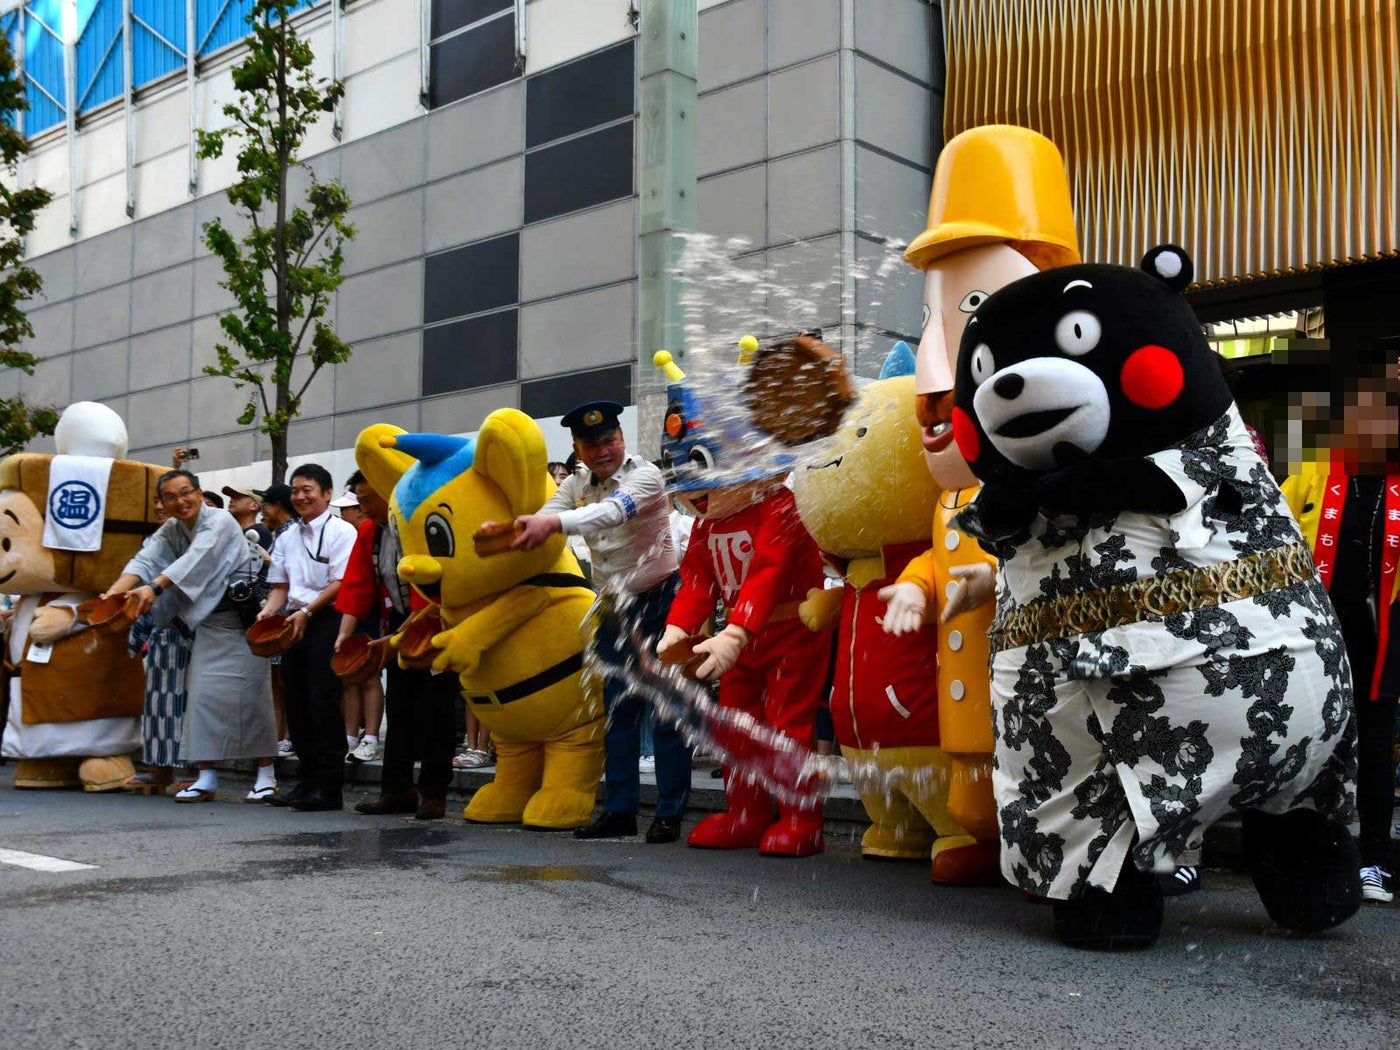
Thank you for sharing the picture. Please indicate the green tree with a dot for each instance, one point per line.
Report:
(19, 423)
(285, 269)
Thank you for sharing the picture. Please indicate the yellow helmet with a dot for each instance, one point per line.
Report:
(999, 183)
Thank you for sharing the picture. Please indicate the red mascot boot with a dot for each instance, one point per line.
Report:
(798, 832)
(742, 825)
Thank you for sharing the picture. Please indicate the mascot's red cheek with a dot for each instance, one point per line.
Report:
(965, 434)
(1152, 377)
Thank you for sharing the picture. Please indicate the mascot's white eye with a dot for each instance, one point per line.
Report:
(438, 533)
(927, 314)
(1077, 332)
(971, 301)
(983, 364)
(701, 458)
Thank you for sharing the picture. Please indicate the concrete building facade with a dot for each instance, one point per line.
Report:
(496, 259)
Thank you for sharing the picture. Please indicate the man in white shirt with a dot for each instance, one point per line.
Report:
(618, 504)
(308, 562)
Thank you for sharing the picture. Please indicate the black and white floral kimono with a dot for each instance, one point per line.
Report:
(1140, 736)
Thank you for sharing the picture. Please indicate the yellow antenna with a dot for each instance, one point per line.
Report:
(748, 346)
(663, 361)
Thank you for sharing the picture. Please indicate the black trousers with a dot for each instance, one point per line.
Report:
(421, 709)
(314, 716)
(1375, 777)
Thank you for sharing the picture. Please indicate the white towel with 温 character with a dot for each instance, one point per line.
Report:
(76, 504)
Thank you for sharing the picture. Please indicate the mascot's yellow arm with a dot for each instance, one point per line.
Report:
(463, 643)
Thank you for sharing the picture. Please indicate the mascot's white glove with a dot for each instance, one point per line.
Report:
(52, 622)
(670, 637)
(907, 604)
(977, 585)
(721, 652)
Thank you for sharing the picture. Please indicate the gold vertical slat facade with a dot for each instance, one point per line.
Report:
(1259, 134)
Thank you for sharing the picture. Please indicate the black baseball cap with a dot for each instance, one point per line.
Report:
(281, 495)
(593, 419)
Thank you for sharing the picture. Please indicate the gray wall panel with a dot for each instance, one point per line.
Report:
(158, 417)
(100, 372)
(102, 317)
(53, 330)
(593, 247)
(348, 427)
(731, 43)
(382, 370)
(104, 260)
(577, 331)
(388, 300)
(158, 358)
(479, 130)
(805, 288)
(733, 205)
(730, 129)
(222, 453)
(461, 413)
(386, 231)
(802, 29)
(804, 106)
(889, 292)
(164, 239)
(804, 195)
(898, 32)
(893, 113)
(208, 296)
(58, 270)
(383, 164)
(891, 198)
(162, 298)
(476, 205)
(214, 407)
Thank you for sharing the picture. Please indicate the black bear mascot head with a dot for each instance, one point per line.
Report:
(1084, 363)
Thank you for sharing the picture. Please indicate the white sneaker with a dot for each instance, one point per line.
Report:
(367, 750)
(1373, 880)
(646, 764)
(284, 749)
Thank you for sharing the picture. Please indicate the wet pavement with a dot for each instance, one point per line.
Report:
(229, 925)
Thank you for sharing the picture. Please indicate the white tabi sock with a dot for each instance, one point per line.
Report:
(208, 781)
(267, 777)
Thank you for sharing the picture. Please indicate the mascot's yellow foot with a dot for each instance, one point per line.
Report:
(496, 804)
(891, 843)
(40, 773)
(106, 774)
(960, 860)
(560, 809)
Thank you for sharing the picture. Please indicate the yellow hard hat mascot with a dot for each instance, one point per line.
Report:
(511, 620)
(1000, 210)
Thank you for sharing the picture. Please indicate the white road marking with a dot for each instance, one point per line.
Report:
(39, 862)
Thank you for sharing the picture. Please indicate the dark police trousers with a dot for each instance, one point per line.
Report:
(421, 707)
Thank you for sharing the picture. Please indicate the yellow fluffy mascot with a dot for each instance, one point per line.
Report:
(68, 523)
(512, 619)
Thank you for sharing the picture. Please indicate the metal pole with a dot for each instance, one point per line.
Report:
(337, 68)
(70, 106)
(128, 110)
(666, 148)
(191, 58)
(424, 55)
(520, 38)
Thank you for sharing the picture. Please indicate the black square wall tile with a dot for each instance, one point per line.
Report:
(579, 173)
(582, 94)
(454, 14)
(463, 355)
(555, 395)
(471, 279)
(472, 62)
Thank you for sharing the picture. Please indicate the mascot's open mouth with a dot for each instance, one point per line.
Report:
(1029, 424)
(834, 463)
(701, 504)
(937, 437)
(431, 591)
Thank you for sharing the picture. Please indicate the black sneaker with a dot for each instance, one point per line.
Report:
(1184, 880)
(609, 826)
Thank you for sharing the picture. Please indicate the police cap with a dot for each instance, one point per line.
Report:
(593, 419)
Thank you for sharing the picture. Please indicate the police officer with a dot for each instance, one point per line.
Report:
(618, 504)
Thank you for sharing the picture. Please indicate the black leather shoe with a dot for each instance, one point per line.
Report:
(318, 802)
(663, 830)
(431, 809)
(609, 826)
(395, 802)
(291, 798)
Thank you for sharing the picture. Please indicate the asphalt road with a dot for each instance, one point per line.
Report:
(227, 925)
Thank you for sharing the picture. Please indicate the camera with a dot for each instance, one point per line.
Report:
(191, 453)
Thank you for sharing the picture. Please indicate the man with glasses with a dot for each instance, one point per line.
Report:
(308, 563)
(618, 504)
